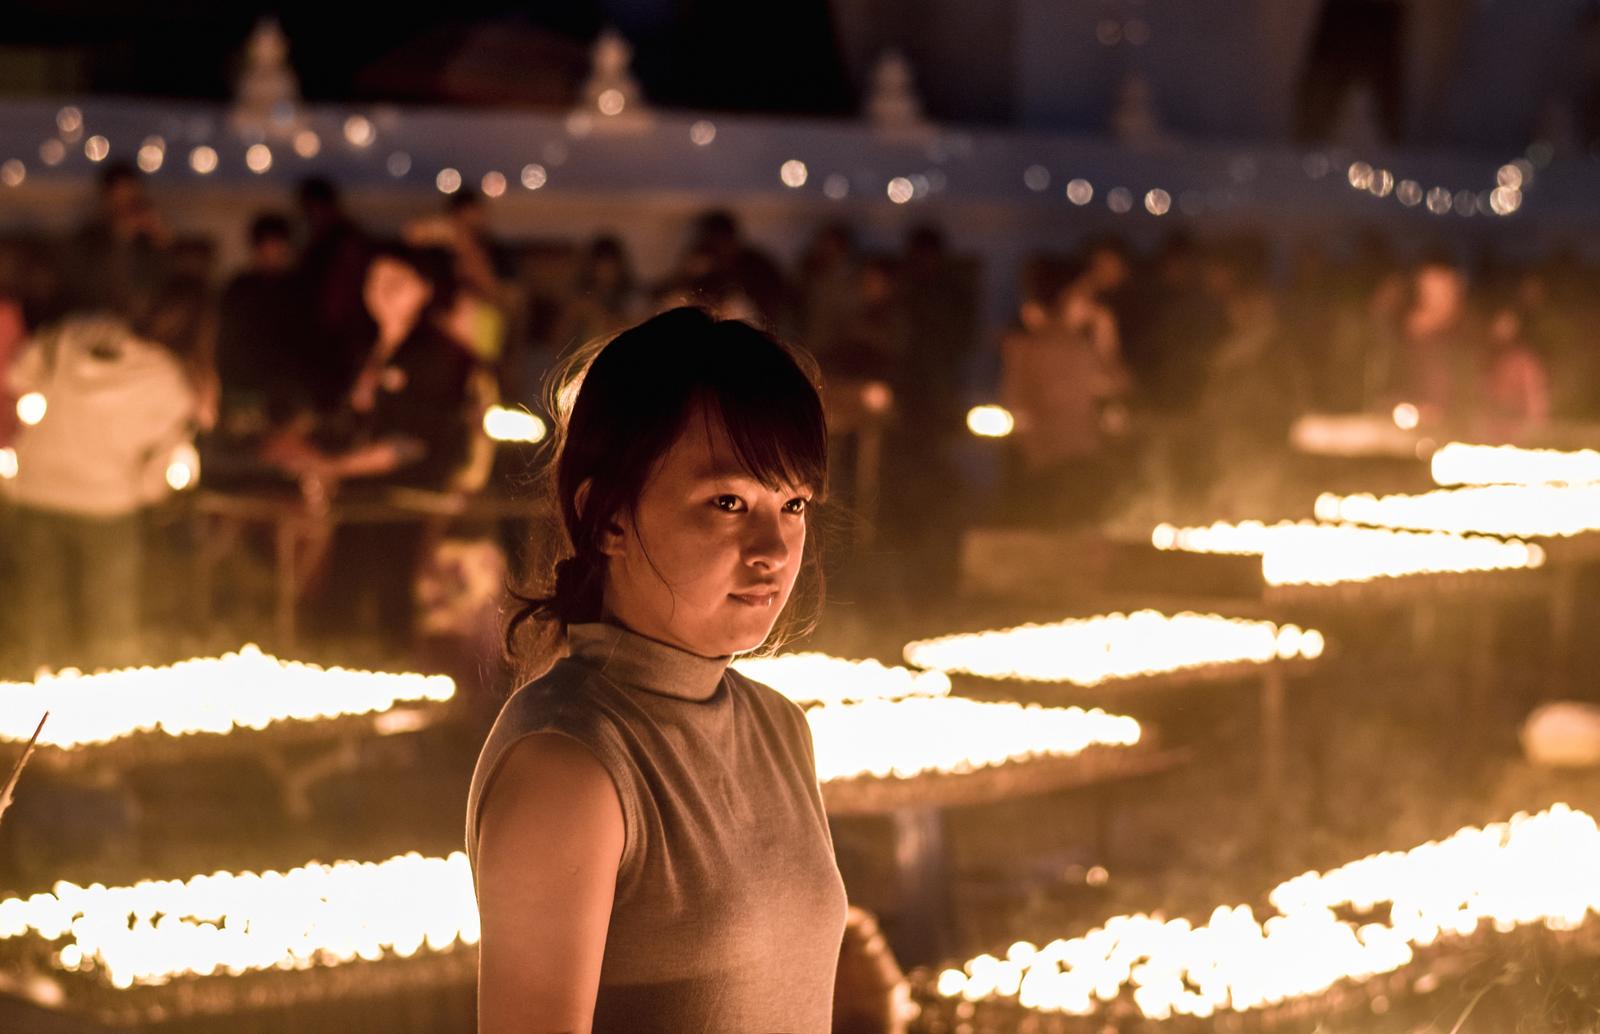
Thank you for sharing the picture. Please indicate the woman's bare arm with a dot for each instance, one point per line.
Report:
(549, 843)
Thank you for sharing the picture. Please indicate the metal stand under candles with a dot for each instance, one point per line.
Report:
(1184, 652)
(916, 808)
(300, 530)
(301, 722)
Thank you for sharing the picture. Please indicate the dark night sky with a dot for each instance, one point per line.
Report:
(714, 54)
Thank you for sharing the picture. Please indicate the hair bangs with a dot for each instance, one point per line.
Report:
(771, 411)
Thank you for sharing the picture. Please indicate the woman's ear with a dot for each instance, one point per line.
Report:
(609, 535)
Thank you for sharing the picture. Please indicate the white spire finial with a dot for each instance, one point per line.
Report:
(611, 94)
(268, 97)
(893, 102)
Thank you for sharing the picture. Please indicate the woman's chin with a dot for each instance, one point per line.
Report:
(746, 634)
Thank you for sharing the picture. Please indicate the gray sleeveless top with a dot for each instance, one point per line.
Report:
(729, 909)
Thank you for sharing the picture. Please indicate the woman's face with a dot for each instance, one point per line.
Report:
(711, 557)
(395, 294)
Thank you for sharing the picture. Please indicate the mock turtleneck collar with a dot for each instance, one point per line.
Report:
(639, 662)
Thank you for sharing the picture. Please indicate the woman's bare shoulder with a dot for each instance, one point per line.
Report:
(556, 776)
(550, 849)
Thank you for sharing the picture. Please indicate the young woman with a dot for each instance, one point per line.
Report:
(645, 825)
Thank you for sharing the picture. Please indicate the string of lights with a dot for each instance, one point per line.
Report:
(386, 145)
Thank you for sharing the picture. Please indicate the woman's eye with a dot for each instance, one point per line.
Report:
(798, 504)
(728, 503)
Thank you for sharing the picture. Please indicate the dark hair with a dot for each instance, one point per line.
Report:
(466, 197)
(605, 248)
(317, 191)
(715, 225)
(925, 237)
(269, 226)
(175, 314)
(620, 405)
(114, 173)
(433, 264)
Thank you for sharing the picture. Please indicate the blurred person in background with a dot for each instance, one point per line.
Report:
(1437, 366)
(1084, 312)
(113, 405)
(1103, 284)
(828, 284)
(938, 302)
(1309, 312)
(941, 327)
(699, 281)
(719, 258)
(331, 270)
(1365, 344)
(872, 343)
(257, 364)
(1173, 325)
(1515, 395)
(1556, 326)
(405, 421)
(477, 316)
(605, 296)
(123, 251)
(13, 335)
(1059, 384)
(1253, 390)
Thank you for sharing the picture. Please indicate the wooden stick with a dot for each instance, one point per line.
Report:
(16, 770)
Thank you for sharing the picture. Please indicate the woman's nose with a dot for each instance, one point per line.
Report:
(768, 544)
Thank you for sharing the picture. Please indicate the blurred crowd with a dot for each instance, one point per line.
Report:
(1192, 363)
(341, 365)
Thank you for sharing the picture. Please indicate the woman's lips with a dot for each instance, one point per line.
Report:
(756, 599)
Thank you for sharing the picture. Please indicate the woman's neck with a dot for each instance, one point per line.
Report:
(392, 335)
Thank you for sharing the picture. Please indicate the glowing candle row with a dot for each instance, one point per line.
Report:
(901, 739)
(1533, 869)
(226, 923)
(1533, 511)
(817, 678)
(244, 690)
(1462, 464)
(1307, 553)
(1089, 651)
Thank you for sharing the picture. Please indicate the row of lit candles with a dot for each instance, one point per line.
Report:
(1531, 870)
(1535, 869)
(1534, 511)
(1461, 464)
(810, 678)
(227, 923)
(244, 690)
(1089, 651)
(904, 739)
(251, 690)
(1308, 553)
